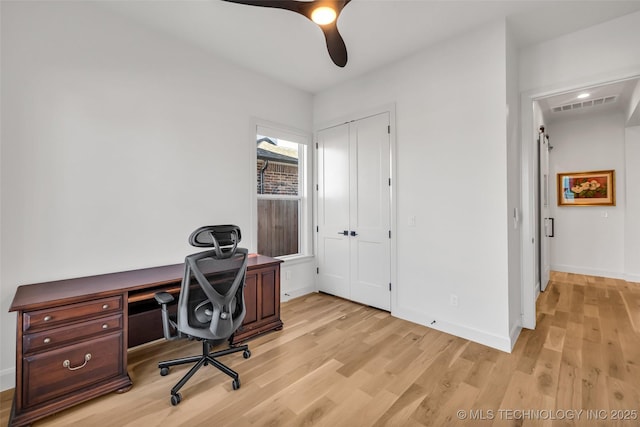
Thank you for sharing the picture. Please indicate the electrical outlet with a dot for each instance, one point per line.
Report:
(453, 300)
(412, 221)
(287, 275)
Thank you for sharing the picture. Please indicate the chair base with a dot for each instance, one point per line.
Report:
(207, 358)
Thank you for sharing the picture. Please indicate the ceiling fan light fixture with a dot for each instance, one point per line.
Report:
(323, 15)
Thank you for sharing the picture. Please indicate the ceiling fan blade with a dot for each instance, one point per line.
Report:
(335, 44)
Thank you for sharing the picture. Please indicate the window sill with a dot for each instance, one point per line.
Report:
(296, 259)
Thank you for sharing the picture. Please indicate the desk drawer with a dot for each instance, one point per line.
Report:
(56, 336)
(58, 372)
(40, 319)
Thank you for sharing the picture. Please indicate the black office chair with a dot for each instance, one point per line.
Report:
(211, 302)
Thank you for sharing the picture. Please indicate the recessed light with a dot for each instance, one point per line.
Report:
(583, 95)
(323, 15)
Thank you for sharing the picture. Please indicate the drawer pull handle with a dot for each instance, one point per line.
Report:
(67, 364)
(47, 318)
(47, 340)
(105, 306)
(105, 326)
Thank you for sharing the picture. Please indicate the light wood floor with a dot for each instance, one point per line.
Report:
(337, 363)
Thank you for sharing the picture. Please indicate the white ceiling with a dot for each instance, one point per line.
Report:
(290, 48)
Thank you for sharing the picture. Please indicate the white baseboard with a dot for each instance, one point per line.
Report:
(635, 278)
(588, 271)
(7, 379)
(295, 293)
(503, 343)
(514, 334)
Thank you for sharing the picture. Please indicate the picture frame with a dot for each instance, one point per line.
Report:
(592, 188)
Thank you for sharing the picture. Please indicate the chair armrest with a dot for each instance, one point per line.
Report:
(163, 298)
(168, 327)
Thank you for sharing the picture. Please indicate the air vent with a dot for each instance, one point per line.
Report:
(584, 104)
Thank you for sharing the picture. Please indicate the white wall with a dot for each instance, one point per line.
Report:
(451, 135)
(589, 239)
(117, 142)
(297, 278)
(632, 215)
(594, 54)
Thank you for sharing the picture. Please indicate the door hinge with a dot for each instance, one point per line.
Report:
(389, 287)
(316, 145)
(317, 270)
(389, 233)
(389, 129)
(317, 229)
(317, 187)
(389, 182)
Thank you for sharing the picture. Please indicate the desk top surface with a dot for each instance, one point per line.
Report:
(35, 295)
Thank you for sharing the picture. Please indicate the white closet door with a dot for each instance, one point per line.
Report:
(333, 211)
(354, 198)
(370, 211)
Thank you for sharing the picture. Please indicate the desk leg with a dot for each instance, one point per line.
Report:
(125, 388)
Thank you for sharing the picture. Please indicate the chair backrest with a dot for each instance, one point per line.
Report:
(211, 302)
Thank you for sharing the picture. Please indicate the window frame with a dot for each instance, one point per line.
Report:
(305, 169)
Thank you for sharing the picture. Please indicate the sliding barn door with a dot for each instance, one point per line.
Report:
(354, 211)
(546, 226)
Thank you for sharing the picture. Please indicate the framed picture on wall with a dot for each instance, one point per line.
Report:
(595, 188)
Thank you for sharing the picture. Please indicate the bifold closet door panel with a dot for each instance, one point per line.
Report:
(333, 211)
(370, 210)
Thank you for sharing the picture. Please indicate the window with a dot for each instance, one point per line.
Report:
(281, 192)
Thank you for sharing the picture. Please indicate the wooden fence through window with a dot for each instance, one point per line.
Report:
(277, 227)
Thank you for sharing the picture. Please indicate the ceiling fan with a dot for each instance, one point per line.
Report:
(325, 13)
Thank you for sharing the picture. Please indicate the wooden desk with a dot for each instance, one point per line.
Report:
(73, 335)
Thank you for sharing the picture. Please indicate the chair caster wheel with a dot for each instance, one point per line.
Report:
(164, 371)
(246, 354)
(236, 384)
(176, 398)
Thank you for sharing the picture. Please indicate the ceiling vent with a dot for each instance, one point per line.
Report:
(585, 104)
